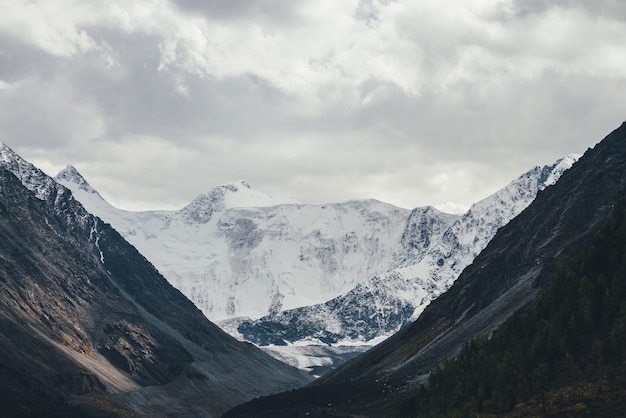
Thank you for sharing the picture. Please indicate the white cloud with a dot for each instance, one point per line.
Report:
(413, 102)
(51, 26)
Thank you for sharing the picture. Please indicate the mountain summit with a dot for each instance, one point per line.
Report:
(238, 194)
(32, 178)
(71, 175)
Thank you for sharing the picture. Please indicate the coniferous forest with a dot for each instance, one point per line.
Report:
(563, 356)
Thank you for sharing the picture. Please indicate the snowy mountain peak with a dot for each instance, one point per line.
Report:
(238, 194)
(239, 183)
(31, 177)
(6, 153)
(424, 225)
(520, 192)
(555, 171)
(87, 195)
(429, 211)
(8, 156)
(71, 175)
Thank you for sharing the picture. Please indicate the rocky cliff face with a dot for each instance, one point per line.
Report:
(506, 276)
(90, 328)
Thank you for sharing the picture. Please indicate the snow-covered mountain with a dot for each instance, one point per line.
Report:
(344, 273)
(435, 251)
(236, 252)
(32, 178)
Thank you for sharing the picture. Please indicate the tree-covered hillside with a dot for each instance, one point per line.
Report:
(563, 356)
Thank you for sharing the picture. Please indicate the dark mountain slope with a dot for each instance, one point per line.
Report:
(564, 355)
(89, 328)
(507, 275)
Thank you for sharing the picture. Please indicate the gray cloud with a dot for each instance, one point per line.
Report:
(274, 11)
(610, 9)
(401, 101)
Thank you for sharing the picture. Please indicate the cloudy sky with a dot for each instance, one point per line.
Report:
(415, 102)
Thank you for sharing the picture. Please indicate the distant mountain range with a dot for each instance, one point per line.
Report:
(508, 276)
(337, 274)
(88, 327)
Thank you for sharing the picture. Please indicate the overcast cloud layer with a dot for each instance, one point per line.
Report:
(410, 102)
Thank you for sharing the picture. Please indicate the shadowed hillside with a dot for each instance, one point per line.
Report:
(564, 354)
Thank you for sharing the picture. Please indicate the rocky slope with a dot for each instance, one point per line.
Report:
(90, 328)
(507, 275)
